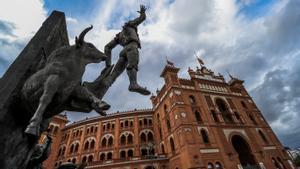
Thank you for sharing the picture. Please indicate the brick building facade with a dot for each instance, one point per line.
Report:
(202, 122)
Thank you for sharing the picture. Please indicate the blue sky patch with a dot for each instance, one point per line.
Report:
(74, 8)
(255, 8)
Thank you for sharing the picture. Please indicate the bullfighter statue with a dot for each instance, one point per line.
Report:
(129, 56)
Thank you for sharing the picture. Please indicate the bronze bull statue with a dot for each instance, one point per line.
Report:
(49, 89)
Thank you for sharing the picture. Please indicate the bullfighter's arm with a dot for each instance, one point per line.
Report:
(108, 48)
(141, 18)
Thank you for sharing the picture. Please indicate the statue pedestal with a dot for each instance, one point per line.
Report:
(15, 146)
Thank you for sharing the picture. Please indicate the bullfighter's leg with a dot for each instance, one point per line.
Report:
(132, 68)
(50, 88)
(118, 69)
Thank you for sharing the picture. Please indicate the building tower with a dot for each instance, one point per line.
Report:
(206, 122)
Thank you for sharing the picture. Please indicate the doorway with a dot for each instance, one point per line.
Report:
(243, 149)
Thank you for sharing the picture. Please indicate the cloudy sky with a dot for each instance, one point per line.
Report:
(255, 40)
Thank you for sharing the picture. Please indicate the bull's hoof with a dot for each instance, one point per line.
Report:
(104, 106)
(32, 131)
(138, 89)
(100, 107)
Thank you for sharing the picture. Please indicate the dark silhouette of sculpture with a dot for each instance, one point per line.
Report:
(60, 79)
(40, 154)
(129, 56)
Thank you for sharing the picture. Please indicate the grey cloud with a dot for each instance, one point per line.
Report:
(279, 99)
(9, 51)
(6, 28)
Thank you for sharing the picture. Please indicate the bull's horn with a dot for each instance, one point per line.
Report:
(82, 34)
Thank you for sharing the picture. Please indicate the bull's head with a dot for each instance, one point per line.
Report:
(87, 50)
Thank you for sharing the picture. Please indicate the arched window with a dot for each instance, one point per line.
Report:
(150, 137)
(252, 118)
(275, 163)
(88, 131)
(59, 152)
(69, 160)
(162, 149)
(83, 159)
(244, 105)
(108, 126)
(103, 143)
(145, 122)
(222, 106)
(237, 115)
(92, 129)
(160, 133)
(102, 157)
(92, 146)
(90, 159)
(144, 152)
(198, 117)
(123, 140)
(172, 145)
(168, 125)
(130, 153)
(131, 123)
(143, 137)
(86, 145)
(192, 100)
(76, 147)
(150, 122)
(96, 129)
(110, 141)
(262, 136)
(112, 126)
(72, 148)
(63, 151)
(122, 125)
(74, 160)
(140, 122)
(109, 156)
(218, 165)
(280, 163)
(123, 154)
(104, 127)
(214, 115)
(129, 139)
(210, 166)
(204, 136)
(126, 123)
(165, 109)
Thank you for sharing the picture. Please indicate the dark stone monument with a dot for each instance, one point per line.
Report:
(16, 148)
